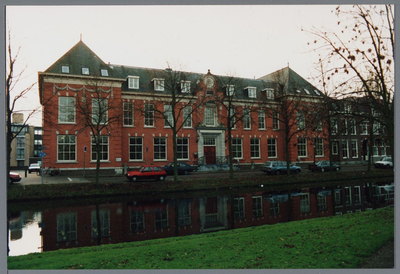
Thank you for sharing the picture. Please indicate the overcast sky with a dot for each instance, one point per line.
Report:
(243, 41)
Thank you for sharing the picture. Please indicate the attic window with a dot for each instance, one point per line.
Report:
(185, 86)
(269, 93)
(317, 92)
(104, 72)
(298, 91)
(133, 82)
(158, 84)
(230, 89)
(306, 90)
(85, 71)
(251, 92)
(65, 69)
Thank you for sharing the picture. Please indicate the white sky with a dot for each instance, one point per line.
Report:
(244, 41)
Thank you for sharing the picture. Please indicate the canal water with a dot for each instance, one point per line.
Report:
(41, 227)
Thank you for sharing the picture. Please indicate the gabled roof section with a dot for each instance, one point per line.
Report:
(293, 83)
(78, 57)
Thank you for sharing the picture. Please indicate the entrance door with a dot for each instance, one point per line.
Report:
(209, 153)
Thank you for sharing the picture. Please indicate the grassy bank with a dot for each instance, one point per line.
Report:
(19, 193)
(334, 242)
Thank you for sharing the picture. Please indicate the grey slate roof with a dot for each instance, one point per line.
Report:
(81, 56)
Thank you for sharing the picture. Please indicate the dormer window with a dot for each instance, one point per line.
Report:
(251, 92)
(185, 86)
(317, 92)
(269, 93)
(104, 72)
(85, 71)
(133, 82)
(158, 84)
(306, 90)
(230, 90)
(65, 69)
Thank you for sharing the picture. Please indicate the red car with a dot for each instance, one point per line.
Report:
(147, 172)
(14, 177)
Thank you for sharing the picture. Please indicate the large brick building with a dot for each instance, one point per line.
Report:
(146, 102)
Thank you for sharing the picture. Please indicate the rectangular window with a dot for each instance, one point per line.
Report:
(255, 148)
(357, 195)
(302, 147)
(347, 192)
(237, 148)
(272, 148)
(104, 224)
(232, 117)
(133, 82)
(252, 92)
(158, 84)
(353, 128)
(230, 90)
(135, 148)
(269, 93)
(319, 147)
(246, 119)
(160, 148)
(345, 128)
(274, 209)
(99, 111)
(321, 203)
(364, 128)
(103, 150)
(301, 124)
(20, 148)
(305, 203)
(334, 126)
(210, 113)
(209, 141)
(354, 149)
(275, 120)
(257, 207)
(168, 118)
(184, 213)
(187, 117)
(137, 221)
(345, 149)
(238, 208)
(85, 71)
(104, 72)
(66, 148)
(335, 148)
(185, 86)
(128, 114)
(261, 119)
(182, 148)
(161, 218)
(65, 69)
(66, 227)
(66, 109)
(338, 197)
(149, 115)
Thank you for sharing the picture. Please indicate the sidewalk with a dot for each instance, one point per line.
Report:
(33, 179)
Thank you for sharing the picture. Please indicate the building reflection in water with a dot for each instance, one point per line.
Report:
(151, 218)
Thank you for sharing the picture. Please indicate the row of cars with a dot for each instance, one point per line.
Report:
(158, 173)
(280, 167)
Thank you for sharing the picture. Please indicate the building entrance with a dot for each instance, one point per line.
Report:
(209, 153)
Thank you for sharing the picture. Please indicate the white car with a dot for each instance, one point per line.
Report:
(34, 168)
(386, 162)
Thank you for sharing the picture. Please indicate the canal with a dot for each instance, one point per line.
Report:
(41, 227)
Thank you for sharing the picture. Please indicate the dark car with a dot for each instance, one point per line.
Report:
(146, 173)
(14, 177)
(323, 166)
(183, 168)
(34, 168)
(279, 167)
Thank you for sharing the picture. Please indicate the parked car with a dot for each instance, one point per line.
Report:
(279, 167)
(34, 168)
(147, 172)
(323, 166)
(386, 162)
(14, 177)
(183, 168)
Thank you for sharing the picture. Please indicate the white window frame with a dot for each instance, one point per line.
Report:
(104, 72)
(136, 147)
(65, 69)
(185, 86)
(230, 90)
(133, 82)
(319, 147)
(257, 205)
(210, 115)
(67, 148)
(246, 118)
(334, 126)
(180, 148)
(168, 118)
(364, 128)
(128, 114)
(255, 148)
(232, 114)
(102, 150)
(160, 153)
(187, 117)
(272, 147)
(275, 120)
(85, 71)
(345, 148)
(148, 115)
(269, 93)
(97, 105)
(159, 84)
(237, 148)
(69, 110)
(335, 148)
(252, 92)
(302, 147)
(261, 119)
(305, 203)
(301, 121)
(354, 148)
(239, 208)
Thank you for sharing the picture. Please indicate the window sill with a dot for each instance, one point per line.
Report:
(66, 162)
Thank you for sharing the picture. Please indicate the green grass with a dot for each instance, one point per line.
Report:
(333, 242)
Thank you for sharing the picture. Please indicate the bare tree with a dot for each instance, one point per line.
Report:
(237, 112)
(175, 101)
(98, 111)
(12, 80)
(361, 57)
